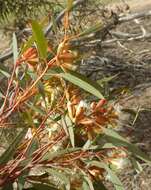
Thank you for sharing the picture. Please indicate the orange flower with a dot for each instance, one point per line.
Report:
(30, 55)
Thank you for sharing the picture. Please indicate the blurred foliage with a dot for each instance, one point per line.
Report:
(22, 10)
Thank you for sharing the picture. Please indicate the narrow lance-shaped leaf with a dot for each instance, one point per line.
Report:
(83, 82)
(4, 72)
(39, 39)
(27, 45)
(115, 180)
(15, 48)
(8, 154)
(116, 139)
(41, 186)
(91, 29)
(70, 130)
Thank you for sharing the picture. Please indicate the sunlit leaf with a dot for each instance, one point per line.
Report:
(136, 165)
(83, 82)
(39, 39)
(61, 176)
(40, 186)
(15, 48)
(114, 138)
(76, 78)
(53, 155)
(112, 176)
(91, 29)
(27, 45)
(70, 128)
(106, 79)
(89, 182)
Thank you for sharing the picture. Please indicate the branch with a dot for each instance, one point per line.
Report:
(134, 16)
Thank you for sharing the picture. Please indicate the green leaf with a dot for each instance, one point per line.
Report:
(87, 145)
(89, 182)
(8, 154)
(106, 79)
(40, 186)
(27, 45)
(114, 138)
(53, 155)
(61, 176)
(22, 179)
(36, 109)
(54, 24)
(99, 186)
(70, 128)
(1, 95)
(15, 48)
(8, 186)
(83, 82)
(69, 4)
(39, 39)
(92, 29)
(85, 186)
(114, 179)
(136, 165)
(4, 72)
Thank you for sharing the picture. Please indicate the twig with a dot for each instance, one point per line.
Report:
(134, 16)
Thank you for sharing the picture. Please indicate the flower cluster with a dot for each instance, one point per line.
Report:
(91, 117)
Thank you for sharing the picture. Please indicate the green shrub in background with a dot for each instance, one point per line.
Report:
(22, 10)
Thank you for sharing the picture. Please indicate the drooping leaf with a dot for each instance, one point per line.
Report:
(41, 186)
(114, 138)
(22, 179)
(53, 155)
(106, 80)
(83, 82)
(136, 165)
(15, 48)
(98, 185)
(85, 185)
(54, 24)
(8, 154)
(27, 45)
(4, 72)
(8, 186)
(1, 95)
(112, 176)
(76, 78)
(61, 176)
(91, 29)
(89, 182)
(70, 128)
(39, 38)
